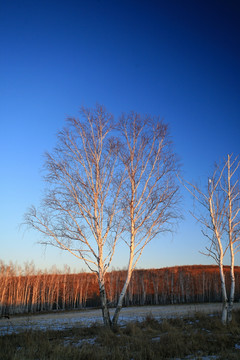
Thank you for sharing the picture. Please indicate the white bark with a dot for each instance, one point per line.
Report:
(124, 289)
(232, 290)
(233, 224)
(103, 298)
(224, 294)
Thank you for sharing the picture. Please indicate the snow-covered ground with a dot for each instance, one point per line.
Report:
(65, 320)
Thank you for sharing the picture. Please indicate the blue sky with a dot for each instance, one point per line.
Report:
(176, 59)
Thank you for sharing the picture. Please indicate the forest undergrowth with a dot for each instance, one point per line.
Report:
(199, 337)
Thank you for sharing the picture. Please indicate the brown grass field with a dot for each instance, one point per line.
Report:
(144, 333)
(87, 317)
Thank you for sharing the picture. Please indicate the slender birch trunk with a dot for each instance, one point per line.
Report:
(231, 217)
(124, 289)
(131, 256)
(232, 290)
(121, 297)
(217, 225)
(224, 294)
(103, 298)
(155, 282)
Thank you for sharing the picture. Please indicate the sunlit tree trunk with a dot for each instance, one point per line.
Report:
(104, 304)
(5, 281)
(143, 290)
(232, 289)
(203, 286)
(35, 292)
(155, 281)
(124, 289)
(233, 195)
(172, 287)
(224, 293)
(131, 257)
(103, 295)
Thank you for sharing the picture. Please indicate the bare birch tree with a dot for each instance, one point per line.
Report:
(101, 188)
(220, 219)
(231, 188)
(149, 193)
(79, 212)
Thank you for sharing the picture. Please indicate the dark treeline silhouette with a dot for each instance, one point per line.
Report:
(30, 291)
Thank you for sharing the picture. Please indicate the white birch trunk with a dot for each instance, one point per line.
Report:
(123, 292)
(128, 278)
(224, 294)
(230, 235)
(102, 290)
(103, 298)
(232, 291)
(131, 255)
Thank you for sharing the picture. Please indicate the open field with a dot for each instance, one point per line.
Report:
(179, 333)
(67, 320)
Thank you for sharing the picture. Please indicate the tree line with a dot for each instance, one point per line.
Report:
(28, 291)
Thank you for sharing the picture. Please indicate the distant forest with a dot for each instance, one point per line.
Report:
(28, 292)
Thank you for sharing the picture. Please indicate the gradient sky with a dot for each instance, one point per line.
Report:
(176, 59)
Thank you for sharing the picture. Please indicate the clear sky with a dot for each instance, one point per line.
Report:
(176, 59)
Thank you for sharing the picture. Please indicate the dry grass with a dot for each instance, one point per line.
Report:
(150, 339)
